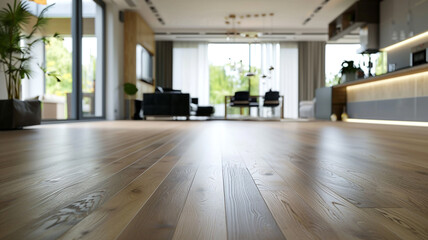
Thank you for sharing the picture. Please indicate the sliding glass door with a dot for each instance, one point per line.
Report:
(92, 59)
(77, 59)
(53, 56)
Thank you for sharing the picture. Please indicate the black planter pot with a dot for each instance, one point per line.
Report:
(137, 106)
(16, 114)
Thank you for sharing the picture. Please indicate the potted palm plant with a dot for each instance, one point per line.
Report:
(130, 90)
(16, 43)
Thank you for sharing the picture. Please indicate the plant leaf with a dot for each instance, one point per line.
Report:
(130, 88)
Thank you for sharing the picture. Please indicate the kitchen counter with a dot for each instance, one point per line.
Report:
(400, 95)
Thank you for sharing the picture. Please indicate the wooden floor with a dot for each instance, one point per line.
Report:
(214, 180)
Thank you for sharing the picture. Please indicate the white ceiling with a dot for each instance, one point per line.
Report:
(203, 18)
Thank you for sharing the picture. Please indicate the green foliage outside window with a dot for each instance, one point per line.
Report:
(226, 80)
(381, 65)
(334, 80)
(59, 60)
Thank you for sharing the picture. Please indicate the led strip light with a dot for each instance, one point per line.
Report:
(388, 122)
(405, 42)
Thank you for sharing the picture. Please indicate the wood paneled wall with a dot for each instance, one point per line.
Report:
(136, 30)
(411, 86)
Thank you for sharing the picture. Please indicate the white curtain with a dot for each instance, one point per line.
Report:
(270, 57)
(190, 72)
(289, 75)
(283, 57)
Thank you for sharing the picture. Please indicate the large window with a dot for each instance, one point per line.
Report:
(337, 53)
(229, 64)
(76, 58)
(274, 67)
(212, 71)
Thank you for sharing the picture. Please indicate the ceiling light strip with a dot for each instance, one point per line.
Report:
(317, 9)
(154, 11)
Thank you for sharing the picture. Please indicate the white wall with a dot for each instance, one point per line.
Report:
(3, 92)
(114, 63)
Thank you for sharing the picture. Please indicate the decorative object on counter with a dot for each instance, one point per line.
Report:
(344, 115)
(333, 117)
(360, 73)
(349, 71)
(17, 38)
(369, 65)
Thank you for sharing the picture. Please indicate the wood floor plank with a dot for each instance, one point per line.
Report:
(159, 216)
(296, 219)
(214, 180)
(402, 222)
(92, 191)
(359, 195)
(349, 219)
(381, 185)
(54, 176)
(103, 224)
(247, 215)
(80, 155)
(373, 182)
(203, 216)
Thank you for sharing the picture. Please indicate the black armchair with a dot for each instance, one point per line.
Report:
(271, 99)
(240, 99)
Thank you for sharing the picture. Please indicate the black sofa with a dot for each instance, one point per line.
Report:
(166, 104)
(172, 103)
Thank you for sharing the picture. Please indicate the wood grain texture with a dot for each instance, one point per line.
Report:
(159, 216)
(203, 216)
(247, 215)
(113, 178)
(103, 224)
(401, 221)
(214, 180)
(296, 219)
(89, 197)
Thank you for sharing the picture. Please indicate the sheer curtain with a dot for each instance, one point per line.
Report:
(190, 72)
(289, 75)
(283, 57)
(270, 57)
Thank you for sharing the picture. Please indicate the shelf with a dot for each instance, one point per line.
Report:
(347, 31)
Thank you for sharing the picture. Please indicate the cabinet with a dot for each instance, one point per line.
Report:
(401, 19)
(359, 14)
